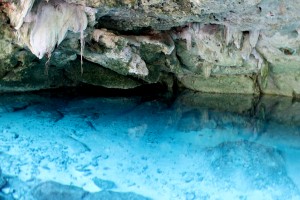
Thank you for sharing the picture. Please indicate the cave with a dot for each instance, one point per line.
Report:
(149, 99)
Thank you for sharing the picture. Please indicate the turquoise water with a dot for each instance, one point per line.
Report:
(197, 146)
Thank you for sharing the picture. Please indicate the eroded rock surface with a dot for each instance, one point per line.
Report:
(210, 46)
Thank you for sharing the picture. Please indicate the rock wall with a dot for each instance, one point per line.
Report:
(215, 46)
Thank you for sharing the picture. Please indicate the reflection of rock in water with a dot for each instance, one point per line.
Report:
(284, 110)
(52, 190)
(138, 131)
(198, 119)
(248, 166)
(190, 121)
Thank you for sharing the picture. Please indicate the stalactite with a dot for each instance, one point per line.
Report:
(47, 64)
(82, 43)
(207, 67)
(258, 57)
(187, 36)
(254, 35)
(18, 12)
(228, 34)
(48, 26)
(237, 38)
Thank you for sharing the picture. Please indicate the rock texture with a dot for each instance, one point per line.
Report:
(53, 190)
(210, 46)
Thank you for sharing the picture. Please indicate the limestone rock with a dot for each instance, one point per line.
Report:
(222, 46)
(53, 190)
(220, 84)
(99, 76)
(228, 161)
(47, 26)
(18, 12)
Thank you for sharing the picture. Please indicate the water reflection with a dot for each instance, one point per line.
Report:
(202, 146)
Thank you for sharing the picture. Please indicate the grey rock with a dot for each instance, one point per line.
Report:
(246, 47)
(103, 195)
(104, 184)
(52, 190)
(263, 166)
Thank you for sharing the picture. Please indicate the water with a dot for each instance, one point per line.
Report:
(196, 147)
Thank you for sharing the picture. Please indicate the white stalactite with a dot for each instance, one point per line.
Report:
(259, 58)
(18, 12)
(46, 28)
(254, 35)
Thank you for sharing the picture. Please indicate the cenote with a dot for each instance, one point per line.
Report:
(55, 145)
(149, 99)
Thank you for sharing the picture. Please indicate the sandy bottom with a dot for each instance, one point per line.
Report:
(150, 148)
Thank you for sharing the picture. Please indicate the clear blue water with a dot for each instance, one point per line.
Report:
(195, 147)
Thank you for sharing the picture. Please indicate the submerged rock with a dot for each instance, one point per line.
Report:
(52, 190)
(252, 169)
(104, 184)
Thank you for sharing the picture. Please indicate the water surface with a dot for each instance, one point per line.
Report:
(199, 146)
